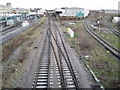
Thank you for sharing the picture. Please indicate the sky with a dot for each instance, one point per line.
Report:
(51, 4)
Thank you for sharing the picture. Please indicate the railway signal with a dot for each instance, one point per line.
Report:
(98, 23)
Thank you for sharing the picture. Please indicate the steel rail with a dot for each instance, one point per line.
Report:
(48, 42)
(115, 51)
(76, 82)
(117, 33)
(63, 83)
(47, 39)
(69, 62)
(60, 68)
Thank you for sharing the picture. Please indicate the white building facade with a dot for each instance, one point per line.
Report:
(6, 9)
(80, 12)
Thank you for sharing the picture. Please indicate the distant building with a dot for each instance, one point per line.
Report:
(92, 12)
(20, 10)
(79, 12)
(6, 9)
(111, 11)
(116, 19)
(41, 11)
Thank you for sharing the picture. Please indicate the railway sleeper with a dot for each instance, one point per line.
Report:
(41, 80)
(44, 65)
(67, 77)
(41, 72)
(43, 69)
(42, 83)
(42, 77)
(69, 80)
(70, 83)
(71, 86)
(41, 86)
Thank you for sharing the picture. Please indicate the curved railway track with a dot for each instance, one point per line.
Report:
(117, 33)
(106, 23)
(108, 46)
(55, 69)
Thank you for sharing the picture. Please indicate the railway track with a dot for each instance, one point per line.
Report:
(108, 46)
(55, 69)
(11, 32)
(106, 23)
(7, 30)
(117, 33)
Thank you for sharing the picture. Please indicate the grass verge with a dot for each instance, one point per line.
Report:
(104, 65)
(24, 44)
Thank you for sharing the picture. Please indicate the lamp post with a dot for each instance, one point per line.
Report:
(98, 22)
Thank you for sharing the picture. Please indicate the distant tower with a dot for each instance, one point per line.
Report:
(9, 7)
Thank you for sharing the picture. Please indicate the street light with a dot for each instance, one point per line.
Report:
(98, 22)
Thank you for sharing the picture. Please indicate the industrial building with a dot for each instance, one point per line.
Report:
(111, 11)
(72, 13)
(20, 10)
(6, 9)
(116, 19)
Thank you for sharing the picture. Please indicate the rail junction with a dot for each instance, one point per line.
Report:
(44, 56)
(55, 68)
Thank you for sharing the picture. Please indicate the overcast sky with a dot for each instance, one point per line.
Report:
(50, 4)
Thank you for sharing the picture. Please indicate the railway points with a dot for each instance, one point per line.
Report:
(50, 61)
(64, 70)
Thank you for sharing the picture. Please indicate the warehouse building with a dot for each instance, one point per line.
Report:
(75, 12)
(72, 13)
